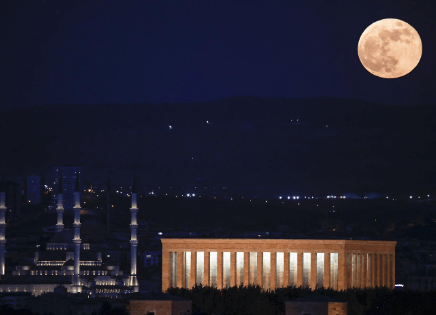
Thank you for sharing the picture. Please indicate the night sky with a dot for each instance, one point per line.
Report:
(94, 52)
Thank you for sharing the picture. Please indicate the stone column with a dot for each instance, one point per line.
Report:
(388, 271)
(358, 270)
(326, 270)
(206, 272)
(259, 269)
(165, 269)
(299, 269)
(286, 270)
(179, 269)
(193, 268)
(373, 270)
(342, 270)
(384, 270)
(379, 273)
(393, 269)
(232, 269)
(364, 271)
(246, 267)
(272, 272)
(219, 272)
(313, 268)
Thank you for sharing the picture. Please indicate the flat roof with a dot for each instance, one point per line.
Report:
(271, 240)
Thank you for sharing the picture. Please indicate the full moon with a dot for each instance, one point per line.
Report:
(389, 48)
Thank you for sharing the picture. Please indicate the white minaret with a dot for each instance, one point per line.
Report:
(76, 240)
(60, 207)
(133, 281)
(2, 230)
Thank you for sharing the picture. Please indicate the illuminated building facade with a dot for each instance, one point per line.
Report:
(69, 262)
(275, 263)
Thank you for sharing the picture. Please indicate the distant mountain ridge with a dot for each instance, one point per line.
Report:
(320, 143)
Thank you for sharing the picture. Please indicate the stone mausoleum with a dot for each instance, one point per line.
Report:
(275, 263)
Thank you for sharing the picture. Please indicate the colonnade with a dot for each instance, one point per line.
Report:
(274, 268)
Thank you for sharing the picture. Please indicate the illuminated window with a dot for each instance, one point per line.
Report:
(226, 269)
(319, 270)
(200, 268)
(213, 262)
(306, 269)
(280, 269)
(266, 268)
(293, 269)
(334, 271)
(252, 274)
(186, 269)
(239, 268)
(173, 269)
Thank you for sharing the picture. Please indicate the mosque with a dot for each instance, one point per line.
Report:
(69, 263)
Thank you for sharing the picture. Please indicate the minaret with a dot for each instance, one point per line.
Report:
(76, 240)
(108, 206)
(60, 207)
(2, 229)
(133, 281)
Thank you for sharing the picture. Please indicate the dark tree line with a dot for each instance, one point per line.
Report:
(252, 300)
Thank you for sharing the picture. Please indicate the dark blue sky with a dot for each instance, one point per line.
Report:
(91, 52)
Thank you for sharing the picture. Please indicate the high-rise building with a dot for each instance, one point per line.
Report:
(33, 189)
(68, 174)
(13, 199)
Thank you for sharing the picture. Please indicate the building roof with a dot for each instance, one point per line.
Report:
(65, 236)
(111, 262)
(25, 262)
(317, 298)
(156, 297)
(54, 255)
(87, 255)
